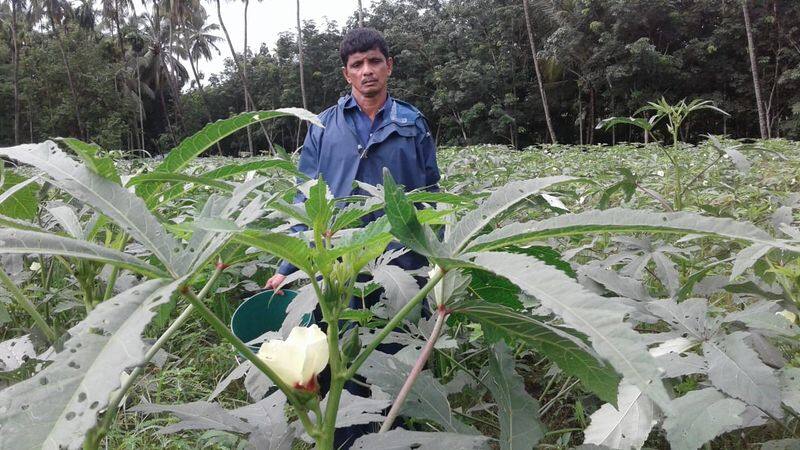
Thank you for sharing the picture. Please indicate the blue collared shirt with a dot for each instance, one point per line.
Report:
(358, 119)
(350, 147)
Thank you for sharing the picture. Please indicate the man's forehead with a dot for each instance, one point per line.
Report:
(375, 52)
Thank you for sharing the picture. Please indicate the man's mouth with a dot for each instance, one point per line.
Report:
(365, 83)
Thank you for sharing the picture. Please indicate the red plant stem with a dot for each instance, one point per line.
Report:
(441, 315)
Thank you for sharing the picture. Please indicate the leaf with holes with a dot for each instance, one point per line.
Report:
(418, 440)
(57, 406)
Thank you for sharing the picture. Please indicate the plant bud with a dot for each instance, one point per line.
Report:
(352, 345)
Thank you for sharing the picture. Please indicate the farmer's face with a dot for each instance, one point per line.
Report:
(368, 72)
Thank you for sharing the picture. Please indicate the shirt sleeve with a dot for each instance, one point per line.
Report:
(427, 148)
(309, 166)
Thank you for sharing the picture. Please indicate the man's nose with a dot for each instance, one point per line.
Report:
(368, 69)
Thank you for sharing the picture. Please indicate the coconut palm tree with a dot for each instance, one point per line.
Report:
(242, 71)
(57, 11)
(198, 41)
(114, 12)
(15, 7)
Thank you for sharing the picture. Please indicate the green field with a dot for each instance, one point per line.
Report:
(705, 282)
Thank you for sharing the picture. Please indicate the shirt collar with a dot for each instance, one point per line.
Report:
(350, 103)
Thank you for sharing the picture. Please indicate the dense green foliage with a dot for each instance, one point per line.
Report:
(466, 64)
(707, 287)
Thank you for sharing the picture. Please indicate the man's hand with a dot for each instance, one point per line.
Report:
(274, 282)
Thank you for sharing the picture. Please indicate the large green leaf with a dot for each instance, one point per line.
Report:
(167, 177)
(30, 242)
(318, 208)
(190, 148)
(18, 196)
(418, 440)
(289, 248)
(736, 370)
(567, 351)
(497, 203)
(10, 222)
(619, 220)
(624, 426)
(518, 412)
(403, 217)
(493, 289)
(88, 153)
(231, 170)
(427, 398)
(56, 407)
(125, 209)
(701, 416)
(601, 319)
(204, 244)
(201, 141)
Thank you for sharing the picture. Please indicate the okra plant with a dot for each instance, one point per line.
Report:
(597, 320)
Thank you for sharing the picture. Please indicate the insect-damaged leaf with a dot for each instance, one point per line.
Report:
(27, 242)
(418, 440)
(57, 406)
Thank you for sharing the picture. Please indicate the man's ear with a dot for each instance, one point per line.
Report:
(390, 64)
(344, 74)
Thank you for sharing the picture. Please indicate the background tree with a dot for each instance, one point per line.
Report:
(467, 64)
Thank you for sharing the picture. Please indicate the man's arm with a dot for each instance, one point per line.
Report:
(427, 148)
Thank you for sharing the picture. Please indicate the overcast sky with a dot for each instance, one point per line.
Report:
(267, 19)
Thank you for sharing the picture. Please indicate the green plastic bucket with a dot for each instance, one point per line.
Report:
(261, 313)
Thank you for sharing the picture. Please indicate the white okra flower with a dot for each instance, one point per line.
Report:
(298, 359)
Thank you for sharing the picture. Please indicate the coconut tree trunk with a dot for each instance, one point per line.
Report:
(247, 104)
(302, 77)
(115, 18)
(172, 79)
(360, 14)
(141, 104)
(15, 58)
(70, 79)
(166, 117)
(529, 25)
(300, 56)
(751, 50)
(242, 75)
(203, 96)
(590, 122)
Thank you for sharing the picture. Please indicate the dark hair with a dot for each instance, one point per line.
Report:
(360, 40)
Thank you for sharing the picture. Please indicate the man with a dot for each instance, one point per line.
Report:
(366, 131)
